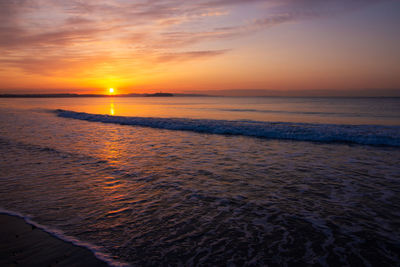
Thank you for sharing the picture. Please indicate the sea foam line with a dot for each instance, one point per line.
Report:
(96, 250)
(329, 133)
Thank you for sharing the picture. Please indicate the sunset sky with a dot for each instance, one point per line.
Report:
(88, 46)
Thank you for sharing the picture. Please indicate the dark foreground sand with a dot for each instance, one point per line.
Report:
(22, 244)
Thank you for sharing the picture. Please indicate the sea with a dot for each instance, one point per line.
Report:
(208, 181)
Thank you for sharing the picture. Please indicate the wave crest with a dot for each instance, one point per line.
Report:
(329, 133)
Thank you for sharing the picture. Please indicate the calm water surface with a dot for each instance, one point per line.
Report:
(147, 196)
(381, 111)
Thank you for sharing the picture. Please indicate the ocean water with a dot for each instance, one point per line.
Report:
(208, 181)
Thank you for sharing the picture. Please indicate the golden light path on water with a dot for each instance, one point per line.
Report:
(112, 111)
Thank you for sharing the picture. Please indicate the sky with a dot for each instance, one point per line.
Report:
(88, 46)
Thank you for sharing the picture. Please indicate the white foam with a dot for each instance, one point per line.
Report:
(329, 133)
(97, 251)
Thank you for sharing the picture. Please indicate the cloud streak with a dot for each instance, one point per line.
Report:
(163, 30)
(183, 56)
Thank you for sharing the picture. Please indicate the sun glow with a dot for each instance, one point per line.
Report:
(111, 91)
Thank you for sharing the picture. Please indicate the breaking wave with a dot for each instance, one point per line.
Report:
(329, 133)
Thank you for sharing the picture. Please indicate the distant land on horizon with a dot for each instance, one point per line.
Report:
(229, 93)
(82, 95)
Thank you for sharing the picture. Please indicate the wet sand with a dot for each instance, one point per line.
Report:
(22, 244)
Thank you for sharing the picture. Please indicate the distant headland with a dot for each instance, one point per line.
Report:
(159, 95)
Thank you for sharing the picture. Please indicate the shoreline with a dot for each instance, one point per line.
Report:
(24, 244)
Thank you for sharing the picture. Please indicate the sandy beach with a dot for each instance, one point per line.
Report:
(22, 244)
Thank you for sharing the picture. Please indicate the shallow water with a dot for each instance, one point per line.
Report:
(149, 196)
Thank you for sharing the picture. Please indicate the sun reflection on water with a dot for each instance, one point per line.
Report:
(112, 110)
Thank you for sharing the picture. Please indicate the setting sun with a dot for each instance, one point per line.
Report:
(111, 91)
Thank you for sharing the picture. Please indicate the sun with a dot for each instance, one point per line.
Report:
(111, 91)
